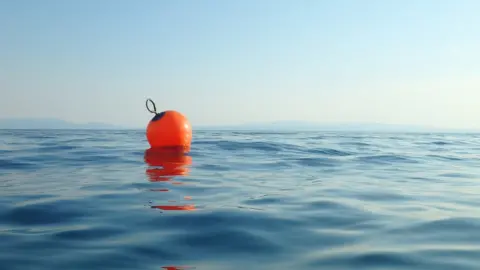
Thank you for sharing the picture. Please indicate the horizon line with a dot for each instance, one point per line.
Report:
(254, 125)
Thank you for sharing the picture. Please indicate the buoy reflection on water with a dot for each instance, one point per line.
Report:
(163, 166)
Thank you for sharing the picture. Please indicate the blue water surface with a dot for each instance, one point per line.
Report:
(240, 200)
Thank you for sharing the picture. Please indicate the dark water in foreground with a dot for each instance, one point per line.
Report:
(89, 200)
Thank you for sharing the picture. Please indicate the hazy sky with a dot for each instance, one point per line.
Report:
(226, 61)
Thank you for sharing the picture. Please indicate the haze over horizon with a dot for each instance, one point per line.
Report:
(234, 62)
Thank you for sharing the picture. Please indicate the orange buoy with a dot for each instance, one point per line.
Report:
(168, 129)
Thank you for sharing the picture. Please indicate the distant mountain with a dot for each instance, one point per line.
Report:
(311, 126)
(50, 123)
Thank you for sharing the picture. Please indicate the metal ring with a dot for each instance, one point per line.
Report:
(154, 107)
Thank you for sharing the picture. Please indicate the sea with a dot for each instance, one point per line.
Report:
(95, 199)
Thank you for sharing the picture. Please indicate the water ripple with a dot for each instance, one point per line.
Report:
(239, 200)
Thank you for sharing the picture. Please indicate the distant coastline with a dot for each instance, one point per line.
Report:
(53, 123)
(50, 123)
(354, 127)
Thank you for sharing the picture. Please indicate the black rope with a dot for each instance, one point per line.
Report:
(154, 107)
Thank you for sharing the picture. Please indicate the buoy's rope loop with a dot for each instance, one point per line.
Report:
(154, 111)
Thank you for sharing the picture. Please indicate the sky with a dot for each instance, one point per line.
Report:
(229, 62)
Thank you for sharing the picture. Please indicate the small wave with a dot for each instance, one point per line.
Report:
(329, 152)
(228, 241)
(39, 136)
(15, 165)
(446, 158)
(213, 167)
(386, 159)
(441, 143)
(355, 144)
(89, 234)
(43, 213)
(57, 147)
(256, 133)
(262, 146)
(369, 261)
(457, 175)
(452, 230)
(317, 162)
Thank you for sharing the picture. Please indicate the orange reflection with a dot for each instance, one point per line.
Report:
(159, 189)
(177, 267)
(164, 165)
(172, 162)
(189, 207)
